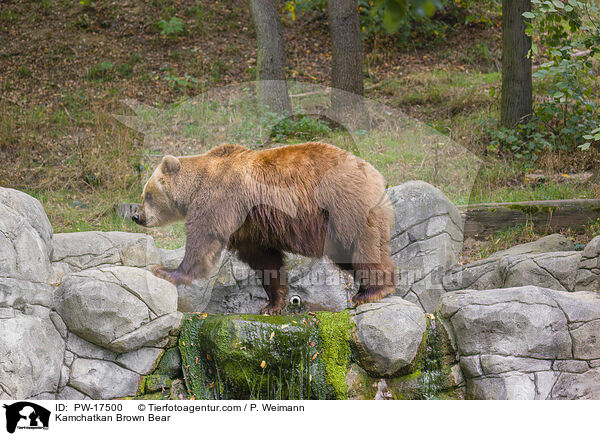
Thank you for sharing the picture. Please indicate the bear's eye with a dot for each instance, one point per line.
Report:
(148, 197)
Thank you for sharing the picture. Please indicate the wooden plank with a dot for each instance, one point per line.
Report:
(483, 219)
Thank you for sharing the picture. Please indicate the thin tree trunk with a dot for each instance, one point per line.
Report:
(516, 100)
(347, 102)
(271, 87)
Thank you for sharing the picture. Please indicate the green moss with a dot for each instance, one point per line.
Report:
(152, 396)
(548, 210)
(528, 210)
(251, 356)
(304, 356)
(156, 383)
(258, 357)
(431, 377)
(170, 363)
(334, 331)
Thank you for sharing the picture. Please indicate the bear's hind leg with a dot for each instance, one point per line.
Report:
(270, 263)
(373, 267)
(375, 280)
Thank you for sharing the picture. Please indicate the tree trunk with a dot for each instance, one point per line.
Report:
(271, 87)
(347, 102)
(516, 101)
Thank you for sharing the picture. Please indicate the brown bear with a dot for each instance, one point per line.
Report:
(312, 199)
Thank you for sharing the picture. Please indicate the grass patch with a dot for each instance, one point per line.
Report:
(505, 239)
(76, 211)
(440, 92)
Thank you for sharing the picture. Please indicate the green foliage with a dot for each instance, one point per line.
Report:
(569, 39)
(184, 82)
(334, 331)
(106, 71)
(125, 70)
(594, 136)
(523, 142)
(101, 72)
(394, 13)
(412, 21)
(301, 127)
(172, 27)
(87, 3)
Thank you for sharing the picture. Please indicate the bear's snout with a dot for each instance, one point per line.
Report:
(137, 216)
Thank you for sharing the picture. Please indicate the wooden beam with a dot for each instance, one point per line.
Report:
(483, 219)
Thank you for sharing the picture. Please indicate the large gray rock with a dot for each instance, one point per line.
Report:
(549, 270)
(32, 354)
(101, 380)
(481, 274)
(117, 307)
(525, 343)
(33, 212)
(154, 333)
(25, 233)
(588, 274)
(524, 265)
(77, 251)
(426, 240)
(141, 361)
(79, 347)
(18, 294)
(387, 335)
(547, 244)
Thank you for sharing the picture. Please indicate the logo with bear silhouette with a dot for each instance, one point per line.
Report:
(26, 415)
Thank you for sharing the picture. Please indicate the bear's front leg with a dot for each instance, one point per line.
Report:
(277, 293)
(201, 252)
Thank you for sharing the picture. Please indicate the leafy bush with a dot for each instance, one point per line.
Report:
(301, 127)
(567, 37)
(172, 27)
(523, 142)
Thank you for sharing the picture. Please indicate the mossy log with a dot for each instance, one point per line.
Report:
(481, 220)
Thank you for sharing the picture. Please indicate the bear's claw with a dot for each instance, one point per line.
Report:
(370, 295)
(170, 275)
(272, 309)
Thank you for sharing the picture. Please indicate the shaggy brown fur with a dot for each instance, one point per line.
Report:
(312, 199)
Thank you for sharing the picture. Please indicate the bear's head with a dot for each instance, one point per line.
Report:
(159, 206)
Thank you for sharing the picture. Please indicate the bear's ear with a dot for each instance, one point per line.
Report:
(170, 164)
